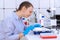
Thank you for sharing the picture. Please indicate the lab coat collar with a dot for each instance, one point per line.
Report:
(16, 17)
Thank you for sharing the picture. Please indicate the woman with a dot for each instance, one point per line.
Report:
(12, 27)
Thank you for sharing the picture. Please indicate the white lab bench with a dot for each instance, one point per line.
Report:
(31, 36)
(37, 37)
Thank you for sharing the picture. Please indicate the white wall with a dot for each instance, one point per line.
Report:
(1, 14)
(1, 3)
(57, 6)
(11, 5)
(6, 7)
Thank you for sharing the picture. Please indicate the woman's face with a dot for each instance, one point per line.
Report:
(28, 12)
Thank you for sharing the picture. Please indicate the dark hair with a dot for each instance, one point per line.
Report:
(26, 4)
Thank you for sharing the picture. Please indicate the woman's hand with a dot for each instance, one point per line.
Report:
(21, 35)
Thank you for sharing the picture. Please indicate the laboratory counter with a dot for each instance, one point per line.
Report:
(37, 37)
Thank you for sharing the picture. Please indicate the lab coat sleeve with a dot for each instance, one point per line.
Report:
(12, 37)
(7, 31)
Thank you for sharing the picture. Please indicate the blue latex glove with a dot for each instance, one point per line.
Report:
(31, 27)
